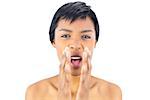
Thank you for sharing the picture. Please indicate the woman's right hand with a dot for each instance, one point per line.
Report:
(64, 91)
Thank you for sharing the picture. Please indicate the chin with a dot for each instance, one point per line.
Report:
(75, 72)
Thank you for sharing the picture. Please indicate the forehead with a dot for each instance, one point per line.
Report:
(78, 24)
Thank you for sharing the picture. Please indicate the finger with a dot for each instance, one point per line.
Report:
(64, 60)
(84, 62)
(67, 52)
(68, 59)
(62, 63)
(89, 54)
(87, 59)
(67, 68)
(84, 68)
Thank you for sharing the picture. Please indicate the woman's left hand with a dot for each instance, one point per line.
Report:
(84, 85)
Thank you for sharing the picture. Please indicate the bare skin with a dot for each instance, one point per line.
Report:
(74, 82)
(48, 90)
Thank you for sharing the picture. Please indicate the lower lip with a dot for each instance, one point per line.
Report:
(76, 66)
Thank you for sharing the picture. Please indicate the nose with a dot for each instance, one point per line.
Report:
(76, 46)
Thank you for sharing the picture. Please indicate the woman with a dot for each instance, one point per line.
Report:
(74, 32)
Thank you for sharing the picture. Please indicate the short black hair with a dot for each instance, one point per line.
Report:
(72, 11)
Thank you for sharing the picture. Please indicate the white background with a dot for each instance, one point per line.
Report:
(122, 55)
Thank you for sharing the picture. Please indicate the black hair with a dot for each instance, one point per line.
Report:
(72, 11)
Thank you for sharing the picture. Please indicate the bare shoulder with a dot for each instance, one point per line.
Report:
(108, 89)
(41, 88)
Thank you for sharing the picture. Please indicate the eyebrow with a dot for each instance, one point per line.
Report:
(66, 30)
(85, 31)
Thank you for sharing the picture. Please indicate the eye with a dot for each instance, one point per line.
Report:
(66, 36)
(85, 37)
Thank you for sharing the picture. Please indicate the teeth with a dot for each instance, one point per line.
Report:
(75, 57)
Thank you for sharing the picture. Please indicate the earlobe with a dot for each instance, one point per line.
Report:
(53, 43)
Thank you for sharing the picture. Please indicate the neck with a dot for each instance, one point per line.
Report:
(75, 80)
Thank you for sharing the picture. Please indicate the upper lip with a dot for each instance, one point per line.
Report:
(76, 54)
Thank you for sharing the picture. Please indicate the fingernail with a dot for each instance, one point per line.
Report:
(65, 52)
(86, 48)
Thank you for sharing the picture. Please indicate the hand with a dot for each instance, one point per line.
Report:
(84, 85)
(64, 90)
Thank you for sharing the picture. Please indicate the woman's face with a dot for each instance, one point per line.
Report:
(76, 35)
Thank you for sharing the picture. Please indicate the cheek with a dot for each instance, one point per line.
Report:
(59, 51)
(90, 45)
(60, 48)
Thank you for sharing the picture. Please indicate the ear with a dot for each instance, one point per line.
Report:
(53, 43)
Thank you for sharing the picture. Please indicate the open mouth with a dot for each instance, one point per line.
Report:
(76, 61)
